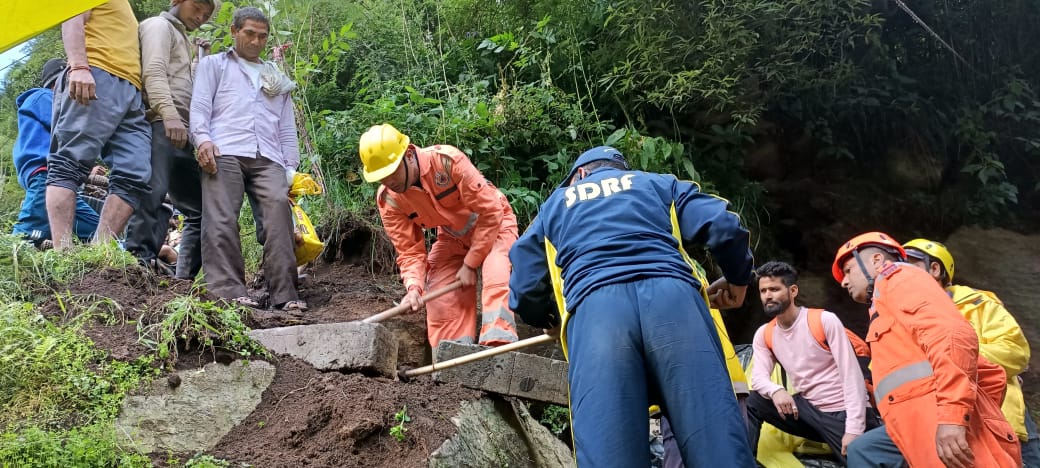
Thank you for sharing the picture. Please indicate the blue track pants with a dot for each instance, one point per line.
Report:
(650, 340)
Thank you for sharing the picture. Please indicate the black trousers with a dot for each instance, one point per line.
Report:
(811, 424)
(174, 170)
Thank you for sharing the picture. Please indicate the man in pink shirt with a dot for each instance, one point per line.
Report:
(830, 400)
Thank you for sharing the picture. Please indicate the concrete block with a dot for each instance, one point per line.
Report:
(348, 346)
(539, 378)
(491, 374)
(514, 373)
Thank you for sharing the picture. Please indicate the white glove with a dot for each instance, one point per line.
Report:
(290, 174)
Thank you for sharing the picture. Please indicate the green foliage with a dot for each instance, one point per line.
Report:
(556, 418)
(218, 30)
(91, 445)
(720, 56)
(653, 154)
(52, 375)
(58, 393)
(398, 430)
(211, 324)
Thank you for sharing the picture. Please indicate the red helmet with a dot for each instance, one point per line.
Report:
(857, 243)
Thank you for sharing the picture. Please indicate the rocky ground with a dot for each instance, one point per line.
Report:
(306, 417)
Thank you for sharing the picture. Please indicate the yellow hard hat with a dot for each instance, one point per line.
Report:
(937, 251)
(382, 147)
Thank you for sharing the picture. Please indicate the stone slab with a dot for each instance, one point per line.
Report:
(496, 432)
(195, 414)
(349, 346)
(516, 374)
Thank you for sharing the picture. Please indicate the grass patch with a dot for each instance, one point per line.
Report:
(59, 394)
(26, 272)
(92, 445)
(211, 324)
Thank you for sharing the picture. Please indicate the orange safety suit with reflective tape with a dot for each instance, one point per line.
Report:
(475, 227)
(927, 371)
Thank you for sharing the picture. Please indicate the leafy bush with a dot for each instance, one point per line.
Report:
(556, 418)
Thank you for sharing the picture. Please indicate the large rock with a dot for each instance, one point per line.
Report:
(1008, 264)
(493, 432)
(514, 373)
(194, 415)
(347, 346)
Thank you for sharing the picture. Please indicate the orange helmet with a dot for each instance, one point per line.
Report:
(857, 243)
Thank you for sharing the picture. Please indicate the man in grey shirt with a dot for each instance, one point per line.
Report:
(167, 72)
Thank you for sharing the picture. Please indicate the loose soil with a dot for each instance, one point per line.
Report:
(310, 418)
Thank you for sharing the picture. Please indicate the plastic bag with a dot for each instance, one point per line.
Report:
(308, 245)
(303, 184)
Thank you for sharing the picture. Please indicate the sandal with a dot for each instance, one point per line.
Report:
(246, 301)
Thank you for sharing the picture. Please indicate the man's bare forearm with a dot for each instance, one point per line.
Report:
(74, 37)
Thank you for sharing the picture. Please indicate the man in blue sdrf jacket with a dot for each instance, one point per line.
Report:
(609, 248)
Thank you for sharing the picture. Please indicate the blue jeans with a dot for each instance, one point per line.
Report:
(642, 341)
(875, 449)
(1031, 447)
(32, 219)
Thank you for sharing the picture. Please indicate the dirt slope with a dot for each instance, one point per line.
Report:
(306, 417)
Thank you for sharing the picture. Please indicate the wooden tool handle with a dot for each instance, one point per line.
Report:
(479, 355)
(396, 310)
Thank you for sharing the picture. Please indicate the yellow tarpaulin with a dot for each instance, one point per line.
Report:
(23, 19)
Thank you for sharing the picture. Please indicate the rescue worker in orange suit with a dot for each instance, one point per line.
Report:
(604, 261)
(1001, 340)
(438, 187)
(939, 399)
